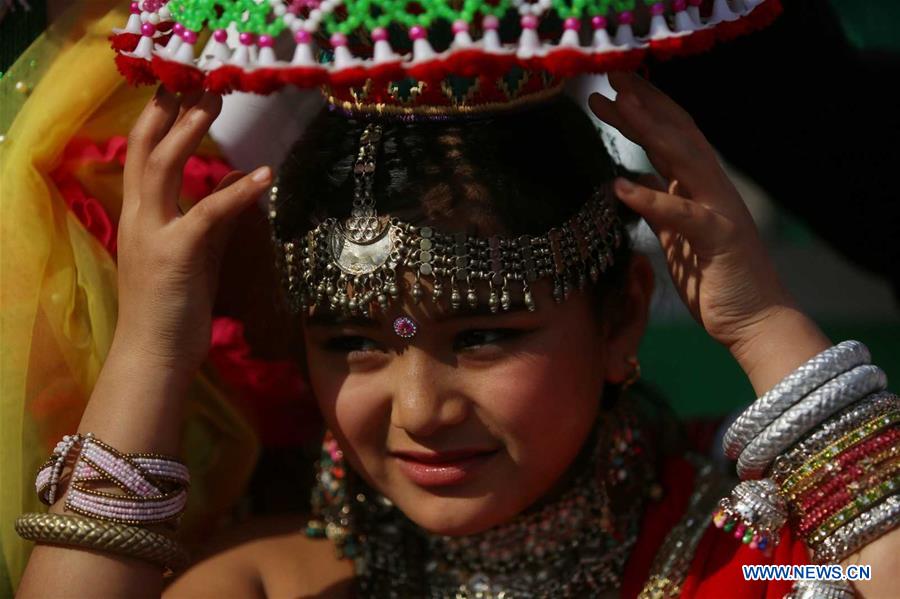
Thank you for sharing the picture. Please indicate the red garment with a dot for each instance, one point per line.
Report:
(715, 570)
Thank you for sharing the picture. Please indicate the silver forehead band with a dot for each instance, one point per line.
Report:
(347, 265)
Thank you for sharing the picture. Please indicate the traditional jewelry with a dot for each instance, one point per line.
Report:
(791, 426)
(821, 589)
(154, 487)
(788, 464)
(755, 511)
(572, 546)
(851, 537)
(121, 539)
(635, 372)
(405, 327)
(821, 368)
(351, 265)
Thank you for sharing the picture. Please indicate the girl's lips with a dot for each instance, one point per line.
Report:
(441, 469)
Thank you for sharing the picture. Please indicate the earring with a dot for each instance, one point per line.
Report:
(635, 372)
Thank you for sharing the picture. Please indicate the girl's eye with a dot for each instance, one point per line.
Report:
(350, 343)
(477, 337)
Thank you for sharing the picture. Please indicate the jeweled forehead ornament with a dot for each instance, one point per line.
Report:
(348, 266)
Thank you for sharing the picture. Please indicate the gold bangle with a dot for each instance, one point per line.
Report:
(110, 537)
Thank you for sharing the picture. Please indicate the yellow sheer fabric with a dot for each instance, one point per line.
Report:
(58, 283)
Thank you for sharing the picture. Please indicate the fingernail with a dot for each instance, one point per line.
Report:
(263, 173)
(624, 186)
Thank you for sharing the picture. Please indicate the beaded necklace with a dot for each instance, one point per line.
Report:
(574, 545)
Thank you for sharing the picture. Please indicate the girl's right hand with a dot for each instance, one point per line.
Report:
(169, 262)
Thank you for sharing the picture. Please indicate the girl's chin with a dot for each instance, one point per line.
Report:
(456, 516)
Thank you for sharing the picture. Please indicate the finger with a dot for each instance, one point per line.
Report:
(608, 111)
(152, 125)
(217, 210)
(165, 165)
(657, 102)
(669, 214)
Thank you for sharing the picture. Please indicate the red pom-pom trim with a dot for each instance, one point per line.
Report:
(224, 80)
(261, 81)
(124, 42)
(178, 77)
(559, 62)
(350, 77)
(565, 62)
(428, 71)
(304, 76)
(136, 71)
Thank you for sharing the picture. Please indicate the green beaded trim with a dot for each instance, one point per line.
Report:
(259, 18)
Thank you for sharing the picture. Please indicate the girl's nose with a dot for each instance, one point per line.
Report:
(423, 402)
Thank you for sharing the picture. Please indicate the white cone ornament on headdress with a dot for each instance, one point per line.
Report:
(344, 43)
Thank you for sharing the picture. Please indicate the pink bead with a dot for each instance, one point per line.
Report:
(529, 22)
(220, 35)
(739, 531)
(266, 41)
(572, 23)
(626, 18)
(178, 29)
(598, 22)
(460, 26)
(417, 32)
(302, 36)
(148, 29)
(379, 34)
(657, 9)
(679, 5)
(490, 22)
(338, 40)
(135, 8)
(246, 38)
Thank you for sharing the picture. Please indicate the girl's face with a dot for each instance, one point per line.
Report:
(475, 417)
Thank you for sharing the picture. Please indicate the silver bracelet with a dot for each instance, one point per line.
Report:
(788, 428)
(871, 406)
(821, 589)
(819, 369)
(859, 532)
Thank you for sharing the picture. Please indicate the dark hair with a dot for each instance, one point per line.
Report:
(512, 174)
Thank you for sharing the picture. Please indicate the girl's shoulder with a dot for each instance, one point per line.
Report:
(276, 560)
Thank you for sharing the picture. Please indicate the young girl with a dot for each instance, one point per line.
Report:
(473, 450)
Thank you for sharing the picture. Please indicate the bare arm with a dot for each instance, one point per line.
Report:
(168, 272)
(718, 263)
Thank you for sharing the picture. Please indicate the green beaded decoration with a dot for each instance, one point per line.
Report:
(258, 18)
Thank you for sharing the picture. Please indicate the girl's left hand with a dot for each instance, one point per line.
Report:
(717, 260)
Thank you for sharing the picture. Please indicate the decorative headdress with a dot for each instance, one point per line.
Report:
(422, 60)
(459, 49)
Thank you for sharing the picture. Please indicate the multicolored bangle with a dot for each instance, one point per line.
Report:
(831, 456)
(853, 536)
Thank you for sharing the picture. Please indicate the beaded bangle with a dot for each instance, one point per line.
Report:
(154, 487)
(850, 418)
(860, 503)
(851, 537)
(832, 465)
(821, 589)
(763, 412)
(813, 498)
(129, 541)
(827, 509)
(812, 410)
